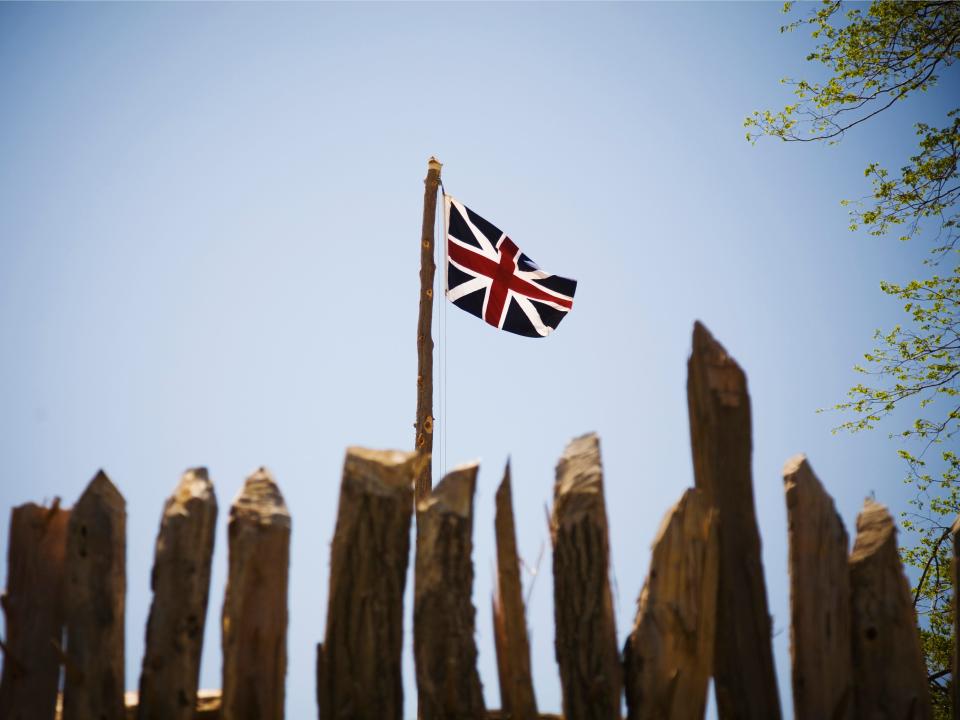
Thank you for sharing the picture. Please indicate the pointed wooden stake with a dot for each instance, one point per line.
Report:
(820, 623)
(720, 433)
(95, 596)
(359, 668)
(444, 647)
(33, 610)
(889, 675)
(181, 583)
(255, 605)
(586, 636)
(955, 664)
(668, 656)
(509, 618)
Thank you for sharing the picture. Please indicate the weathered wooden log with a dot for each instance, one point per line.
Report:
(33, 610)
(720, 432)
(819, 598)
(359, 669)
(669, 655)
(95, 598)
(255, 603)
(181, 584)
(509, 618)
(955, 685)
(444, 648)
(586, 637)
(889, 674)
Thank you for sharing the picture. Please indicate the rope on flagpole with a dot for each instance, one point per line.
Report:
(443, 232)
(439, 428)
(442, 323)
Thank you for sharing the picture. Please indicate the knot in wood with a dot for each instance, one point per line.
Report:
(428, 424)
(429, 292)
(420, 441)
(426, 244)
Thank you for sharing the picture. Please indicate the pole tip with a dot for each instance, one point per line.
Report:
(434, 164)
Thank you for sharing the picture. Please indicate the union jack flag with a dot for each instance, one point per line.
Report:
(489, 277)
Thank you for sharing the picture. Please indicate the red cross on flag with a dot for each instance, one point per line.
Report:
(489, 277)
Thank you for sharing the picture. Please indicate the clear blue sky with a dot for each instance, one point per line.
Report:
(209, 221)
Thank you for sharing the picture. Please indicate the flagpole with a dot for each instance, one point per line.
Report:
(424, 424)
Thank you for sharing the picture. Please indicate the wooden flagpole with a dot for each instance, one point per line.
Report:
(424, 424)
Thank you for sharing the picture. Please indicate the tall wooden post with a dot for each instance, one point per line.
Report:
(820, 624)
(255, 602)
(586, 635)
(33, 607)
(444, 649)
(358, 665)
(669, 655)
(955, 571)
(424, 424)
(509, 617)
(889, 675)
(94, 598)
(181, 585)
(720, 432)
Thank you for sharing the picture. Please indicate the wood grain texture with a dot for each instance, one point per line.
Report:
(424, 421)
(444, 646)
(889, 675)
(955, 569)
(669, 655)
(33, 611)
(820, 624)
(720, 433)
(510, 622)
(359, 663)
(586, 636)
(181, 583)
(95, 599)
(255, 603)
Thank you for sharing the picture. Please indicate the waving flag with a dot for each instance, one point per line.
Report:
(489, 277)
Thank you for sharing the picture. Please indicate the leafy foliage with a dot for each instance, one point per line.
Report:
(874, 57)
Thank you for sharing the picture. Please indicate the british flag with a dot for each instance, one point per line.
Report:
(489, 277)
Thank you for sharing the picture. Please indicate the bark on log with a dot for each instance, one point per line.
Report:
(444, 648)
(668, 656)
(424, 421)
(955, 685)
(359, 668)
(181, 584)
(586, 637)
(33, 610)
(255, 604)
(889, 675)
(95, 596)
(819, 598)
(720, 433)
(510, 623)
